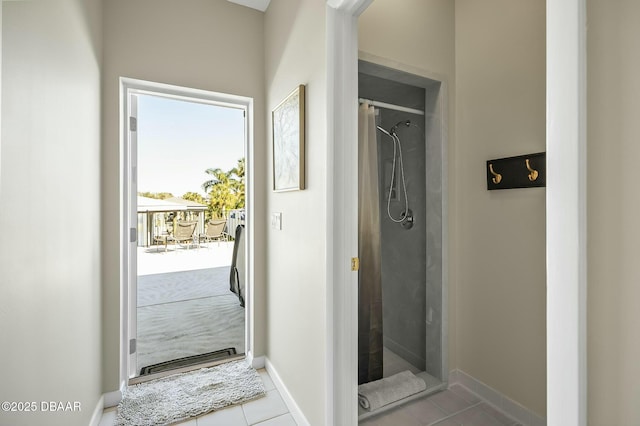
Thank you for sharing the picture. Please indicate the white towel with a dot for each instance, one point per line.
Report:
(379, 393)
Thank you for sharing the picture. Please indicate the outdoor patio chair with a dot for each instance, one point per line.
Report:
(238, 265)
(214, 232)
(161, 240)
(183, 233)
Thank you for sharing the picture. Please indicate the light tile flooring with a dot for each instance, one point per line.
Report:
(453, 407)
(456, 406)
(268, 411)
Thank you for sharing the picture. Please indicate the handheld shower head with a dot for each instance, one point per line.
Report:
(384, 131)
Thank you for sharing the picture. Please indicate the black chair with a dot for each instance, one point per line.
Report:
(238, 266)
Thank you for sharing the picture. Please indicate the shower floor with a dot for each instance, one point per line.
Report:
(393, 363)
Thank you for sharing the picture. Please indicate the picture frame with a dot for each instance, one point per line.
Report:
(288, 125)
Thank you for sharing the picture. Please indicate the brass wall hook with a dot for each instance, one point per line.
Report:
(534, 173)
(510, 172)
(497, 177)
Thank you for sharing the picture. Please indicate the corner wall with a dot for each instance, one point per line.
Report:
(612, 212)
(500, 112)
(295, 54)
(202, 44)
(50, 209)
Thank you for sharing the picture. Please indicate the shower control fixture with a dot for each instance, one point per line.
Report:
(407, 222)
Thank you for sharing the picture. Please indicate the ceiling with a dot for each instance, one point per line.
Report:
(260, 5)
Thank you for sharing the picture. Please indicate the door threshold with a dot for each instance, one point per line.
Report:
(148, 377)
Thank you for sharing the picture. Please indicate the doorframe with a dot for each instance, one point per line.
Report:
(565, 210)
(566, 200)
(342, 210)
(126, 253)
(436, 142)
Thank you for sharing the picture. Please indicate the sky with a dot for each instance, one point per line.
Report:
(178, 141)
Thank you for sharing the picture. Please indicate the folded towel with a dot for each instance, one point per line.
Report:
(379, 393)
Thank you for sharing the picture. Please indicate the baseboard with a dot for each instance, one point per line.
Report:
(502, 402)
(112, 399)
(97, 412)
(404, 353)
(255, 362)
(295, 411)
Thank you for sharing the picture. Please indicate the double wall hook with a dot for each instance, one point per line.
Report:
(497, 177)
(510, 172)
(533, 175)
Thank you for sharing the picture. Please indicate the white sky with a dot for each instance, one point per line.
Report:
(178, 141)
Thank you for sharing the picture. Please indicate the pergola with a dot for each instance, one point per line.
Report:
(150, 225)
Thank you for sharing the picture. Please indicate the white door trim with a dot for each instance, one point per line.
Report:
(566, 211)
(0, 93)
(342, 205)
(195, 95)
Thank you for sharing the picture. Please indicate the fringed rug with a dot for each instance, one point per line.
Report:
(178, 397)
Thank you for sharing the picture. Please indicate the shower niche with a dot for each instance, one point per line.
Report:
(410, 115)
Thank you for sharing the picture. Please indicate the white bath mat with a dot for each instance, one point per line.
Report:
(178, 397)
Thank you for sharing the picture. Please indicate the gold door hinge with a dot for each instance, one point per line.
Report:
(355, 264)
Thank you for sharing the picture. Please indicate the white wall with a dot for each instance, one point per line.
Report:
(50, 208)
(419, 33)
(296, 288)
(210, 45)
(500, 112)
(613, 205)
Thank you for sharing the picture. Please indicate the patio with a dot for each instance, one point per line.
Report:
(184, 304)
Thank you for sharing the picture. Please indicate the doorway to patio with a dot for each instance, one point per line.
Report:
(187, 203)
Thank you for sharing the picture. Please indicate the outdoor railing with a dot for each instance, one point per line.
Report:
(235, 217)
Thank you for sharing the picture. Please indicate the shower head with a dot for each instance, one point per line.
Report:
(405, 122)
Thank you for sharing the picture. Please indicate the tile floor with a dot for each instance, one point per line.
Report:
(456, 406)
(268, 411)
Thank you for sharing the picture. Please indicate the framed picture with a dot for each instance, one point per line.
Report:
(288, 142)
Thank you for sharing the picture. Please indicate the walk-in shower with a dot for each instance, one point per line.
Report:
(401, 286)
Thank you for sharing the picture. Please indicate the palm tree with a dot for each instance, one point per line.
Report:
(220, 192)
(219, 178)
(238, 184)
(225, 189)
(239, 169)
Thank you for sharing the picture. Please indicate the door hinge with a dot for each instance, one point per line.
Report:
(355, 264)
(133, 235)
(133, 124)
(132, 346)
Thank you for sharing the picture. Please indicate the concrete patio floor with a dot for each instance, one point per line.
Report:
(154, 260)
(184, 304)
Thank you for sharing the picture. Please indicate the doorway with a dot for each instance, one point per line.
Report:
(187, 219)
(402, 290)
